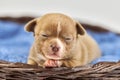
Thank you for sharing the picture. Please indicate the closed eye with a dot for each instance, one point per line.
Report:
(45, 35)
(68, 38)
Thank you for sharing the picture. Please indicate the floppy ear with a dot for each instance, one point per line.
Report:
(30, 25)
(80, 29)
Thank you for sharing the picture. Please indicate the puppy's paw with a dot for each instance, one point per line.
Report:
(52, 63)
(31, 62)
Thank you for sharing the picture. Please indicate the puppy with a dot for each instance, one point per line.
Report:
(60, 41)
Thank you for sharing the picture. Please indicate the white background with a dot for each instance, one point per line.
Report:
(100, 12)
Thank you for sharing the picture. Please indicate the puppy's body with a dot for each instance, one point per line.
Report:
(60, 41)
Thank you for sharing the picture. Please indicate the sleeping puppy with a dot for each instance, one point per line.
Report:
(60, 41)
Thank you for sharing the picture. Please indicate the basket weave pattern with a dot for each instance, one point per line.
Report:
(20, 71)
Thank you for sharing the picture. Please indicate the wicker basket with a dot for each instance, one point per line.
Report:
(99, 71)
(20, 71)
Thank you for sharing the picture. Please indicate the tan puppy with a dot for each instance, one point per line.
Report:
(60, 41)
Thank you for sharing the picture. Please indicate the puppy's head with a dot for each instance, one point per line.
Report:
(55, 35)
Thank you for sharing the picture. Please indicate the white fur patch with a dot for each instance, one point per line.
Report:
(60, 44)
(58, 28)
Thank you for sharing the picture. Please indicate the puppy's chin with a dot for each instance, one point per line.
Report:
(53, 56)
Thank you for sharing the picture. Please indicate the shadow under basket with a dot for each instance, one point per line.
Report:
(22, 71)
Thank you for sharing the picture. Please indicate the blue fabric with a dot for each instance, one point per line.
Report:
(15, 43)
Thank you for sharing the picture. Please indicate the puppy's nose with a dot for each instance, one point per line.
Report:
(55, 48)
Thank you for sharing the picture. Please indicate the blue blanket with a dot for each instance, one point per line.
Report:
(15, 43)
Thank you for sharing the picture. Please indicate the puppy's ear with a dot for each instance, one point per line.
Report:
(30, 25)
(80, 29)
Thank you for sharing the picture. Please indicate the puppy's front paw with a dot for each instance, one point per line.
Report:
(31, 62)
(52, 63)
